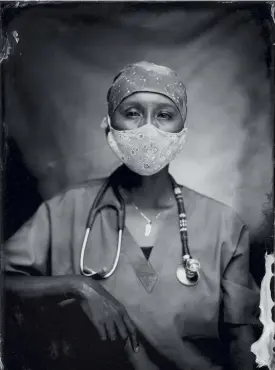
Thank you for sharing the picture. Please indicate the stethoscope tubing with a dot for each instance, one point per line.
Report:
(121, 213)
(91, 220)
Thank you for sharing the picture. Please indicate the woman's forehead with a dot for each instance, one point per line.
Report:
(147, 77)
(147, 98)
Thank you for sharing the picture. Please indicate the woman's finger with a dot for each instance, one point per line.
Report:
(101, 330)
(121, 328)
(131, 328)
(111, 329)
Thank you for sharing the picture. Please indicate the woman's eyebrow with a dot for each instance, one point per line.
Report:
(141, 105)
(169, 105)
(133, 104)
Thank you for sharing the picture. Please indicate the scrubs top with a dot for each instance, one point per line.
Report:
(179, 326)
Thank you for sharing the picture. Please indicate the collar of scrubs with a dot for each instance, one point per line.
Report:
(167, 241)
(148, 270)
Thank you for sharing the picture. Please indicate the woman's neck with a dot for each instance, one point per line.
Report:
(154, 191)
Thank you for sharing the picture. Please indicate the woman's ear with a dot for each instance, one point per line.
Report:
(184, 134)
(105, 123)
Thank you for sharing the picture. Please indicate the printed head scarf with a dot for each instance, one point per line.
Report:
(147, 77)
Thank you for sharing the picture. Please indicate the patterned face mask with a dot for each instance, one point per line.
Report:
(146, 150)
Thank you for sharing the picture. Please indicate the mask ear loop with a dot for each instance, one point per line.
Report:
(108, 120)
(106, 125)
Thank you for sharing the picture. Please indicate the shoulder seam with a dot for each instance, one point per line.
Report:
(81, 185)
(216, 201)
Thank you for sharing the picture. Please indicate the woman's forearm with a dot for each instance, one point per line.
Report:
(57, 288)
(101, 308)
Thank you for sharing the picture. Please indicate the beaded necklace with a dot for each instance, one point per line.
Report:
(188, 271)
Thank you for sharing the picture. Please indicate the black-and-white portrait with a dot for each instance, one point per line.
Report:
(137, 186)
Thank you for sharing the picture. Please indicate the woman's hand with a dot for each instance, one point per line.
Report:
(105, 312)
(108, 316)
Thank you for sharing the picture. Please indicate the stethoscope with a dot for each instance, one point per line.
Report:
(188, 271)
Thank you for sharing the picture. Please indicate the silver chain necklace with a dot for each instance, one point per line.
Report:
(148, 226)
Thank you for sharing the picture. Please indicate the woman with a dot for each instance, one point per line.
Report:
(156, 321)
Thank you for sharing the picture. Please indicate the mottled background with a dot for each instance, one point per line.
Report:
(55, 87)
(67, 55)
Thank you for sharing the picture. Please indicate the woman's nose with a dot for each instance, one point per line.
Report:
(149, 119)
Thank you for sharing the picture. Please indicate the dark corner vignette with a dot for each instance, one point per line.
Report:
(264, 348)
(3, 56)
(10, 151)
(1, 185)
(8, 42)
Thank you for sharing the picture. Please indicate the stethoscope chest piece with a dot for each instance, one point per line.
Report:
(188, 272)
(181, 275)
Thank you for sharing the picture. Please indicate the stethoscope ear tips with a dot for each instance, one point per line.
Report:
(87, 271)
(101, 274)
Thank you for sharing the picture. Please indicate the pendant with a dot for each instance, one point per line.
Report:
(148, 229)
(181, 275)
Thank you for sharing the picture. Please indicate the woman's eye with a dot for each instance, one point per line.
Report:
(164, 115)
(132, 114)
